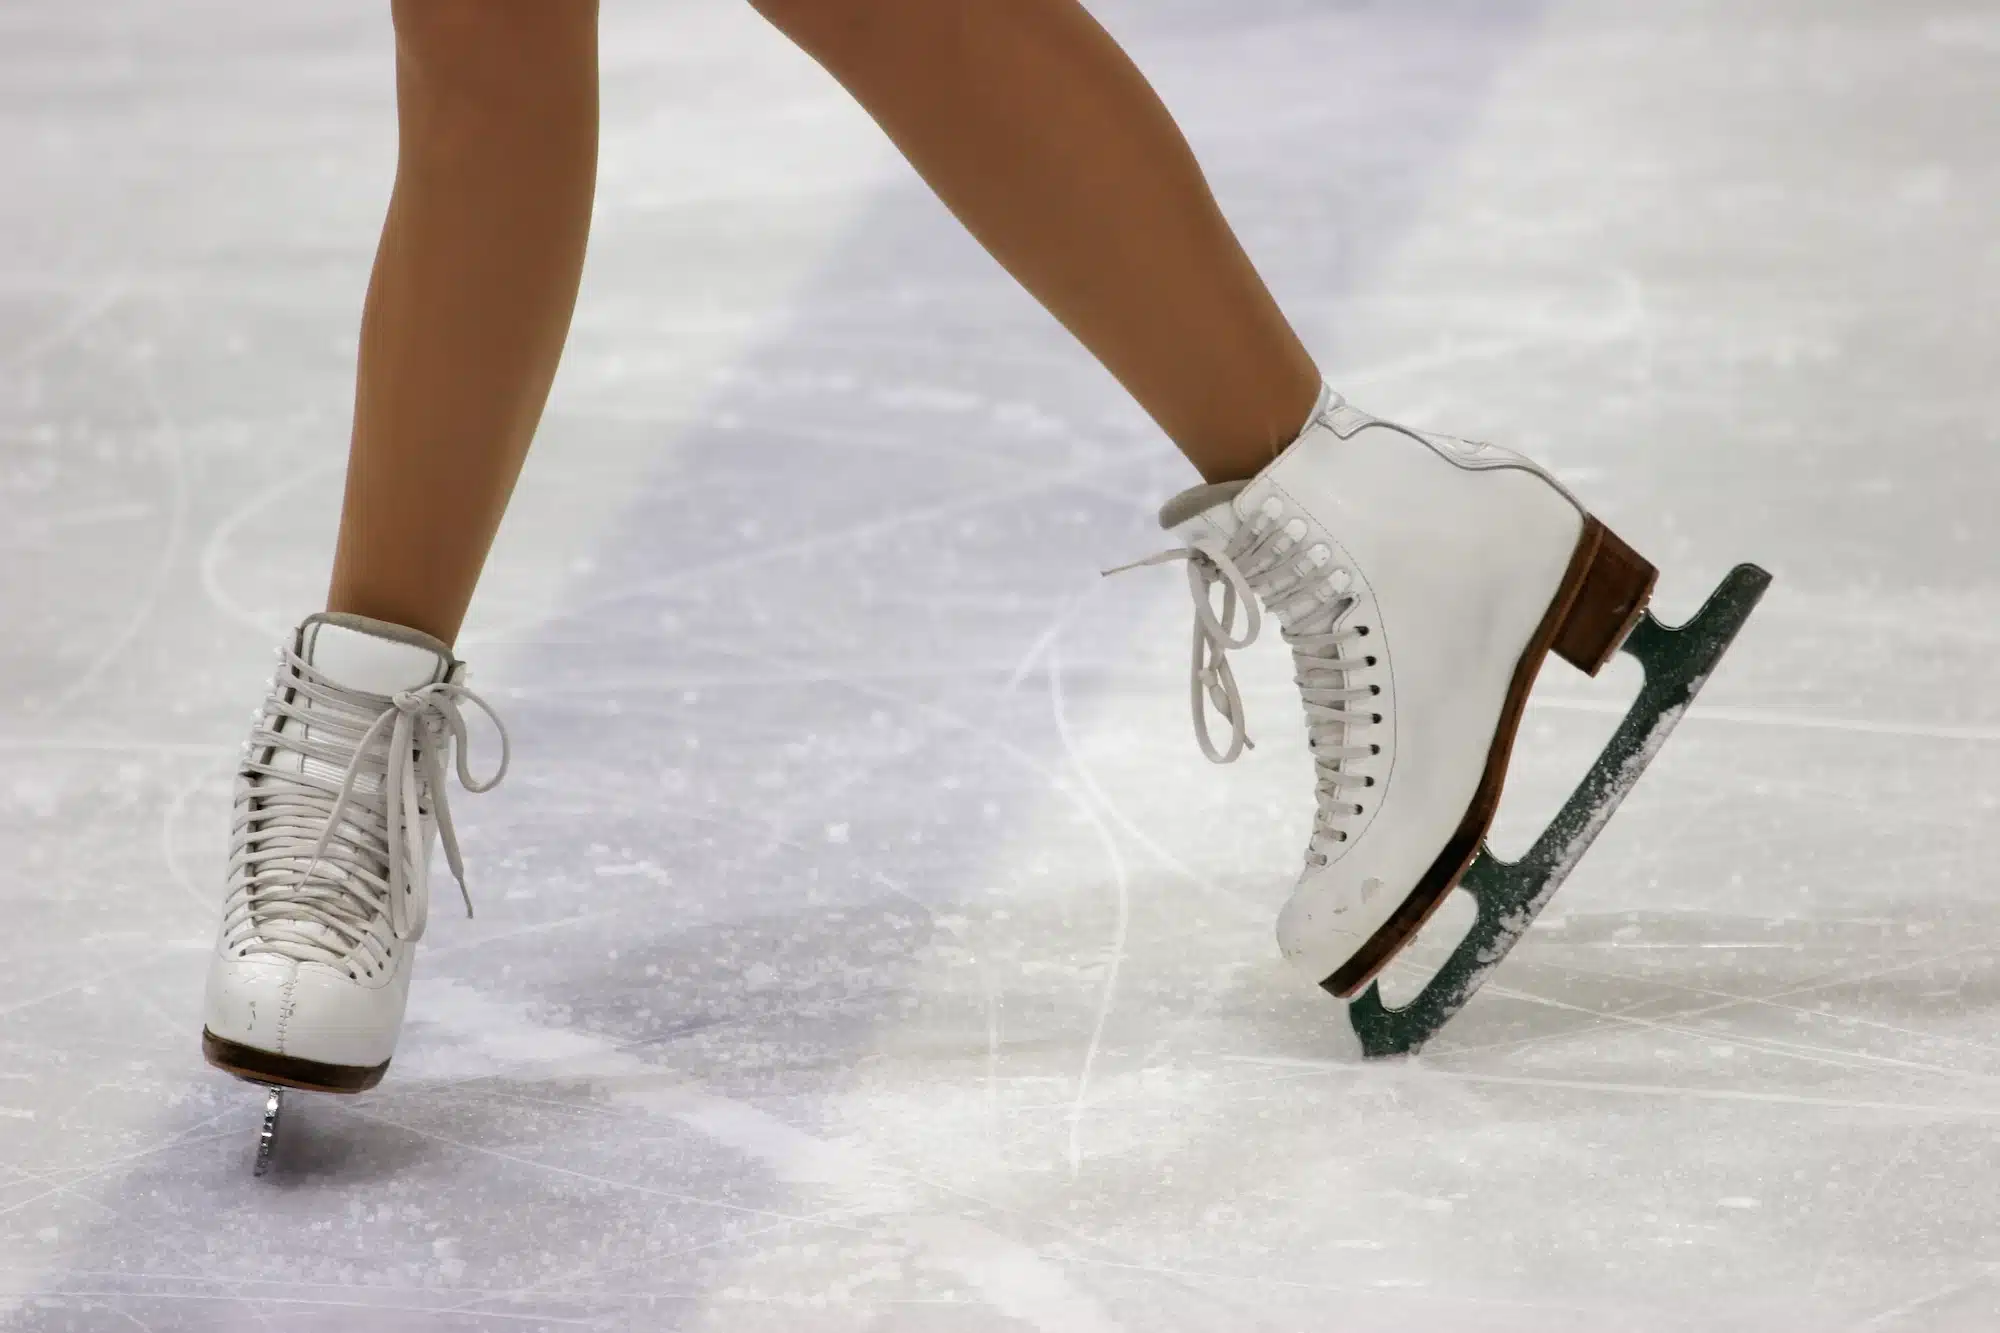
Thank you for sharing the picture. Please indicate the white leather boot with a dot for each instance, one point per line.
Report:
(340, 793)
(1420, 581)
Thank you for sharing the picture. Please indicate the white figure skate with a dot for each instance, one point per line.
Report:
(341, 790)
(1420, 581)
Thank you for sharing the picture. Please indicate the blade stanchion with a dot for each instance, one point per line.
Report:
(267, 1137)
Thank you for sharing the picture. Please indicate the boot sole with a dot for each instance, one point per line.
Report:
(1601, 598)
(288, 1071)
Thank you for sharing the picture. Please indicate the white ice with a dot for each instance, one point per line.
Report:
(863, 943)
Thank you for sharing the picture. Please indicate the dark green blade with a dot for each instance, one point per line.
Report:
(1510, 894)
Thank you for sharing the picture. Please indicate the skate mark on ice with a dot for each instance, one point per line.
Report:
(693, 578)
(1841, 1057)
(989, 998)
(1861, 1207)
(1770, 717)
(1056, 785)
(1108, 807)
(1730, 999)
(1417, 1074)
(1627, 314)
(163, 567)
(1346, 1289)
(1092, 810)
(30, 528)
(377, 1117)
(1070, 607)
(16, 1006)
(1053, 780)
(86, 745)
(170, 818)
(1008, 1275)
(302, 1303)
(436, 952)
(1825, 981)
(1837, 1057)
(180, 1138)
(582, 1285)
(1896, 1313)
(182, 1244)
(1090, 804)
(66, 330)
(1122, 1259)
(95, 1302)
(214, 550)
(1122, 923)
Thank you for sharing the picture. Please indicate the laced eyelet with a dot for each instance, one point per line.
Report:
(1362, 630)
(1374, 689)
(1371, 661)
(1375, 717)
(1374, 749)
(1369, 782)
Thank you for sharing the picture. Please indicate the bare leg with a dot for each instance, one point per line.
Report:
(471, 296)
(1037, 131)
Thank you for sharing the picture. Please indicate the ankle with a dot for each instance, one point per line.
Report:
(440, 623)
(1241, 459)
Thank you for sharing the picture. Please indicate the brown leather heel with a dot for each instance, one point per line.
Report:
(288, 1071)
(1607, 606)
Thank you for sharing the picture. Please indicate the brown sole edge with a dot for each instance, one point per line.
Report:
(287, 1071)
(1602, 595)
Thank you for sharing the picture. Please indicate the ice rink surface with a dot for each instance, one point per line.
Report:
(862, 941)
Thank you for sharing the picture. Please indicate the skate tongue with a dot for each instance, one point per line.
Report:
(369, 656)
(1203, 511)
(372, 656)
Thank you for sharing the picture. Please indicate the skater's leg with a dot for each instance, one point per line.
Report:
(1036, 130)
(471, 296)
(1420, 582)
(340, 792)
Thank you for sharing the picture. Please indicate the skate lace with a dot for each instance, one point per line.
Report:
(1310, 593)
(324, 854)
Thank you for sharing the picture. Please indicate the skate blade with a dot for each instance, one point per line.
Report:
(1510, 894)
(267, 1136)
